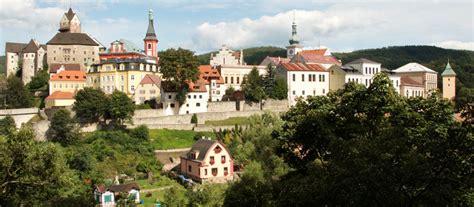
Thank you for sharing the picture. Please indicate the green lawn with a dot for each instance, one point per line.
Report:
(229, 122)
(149, 198)
(171, 139)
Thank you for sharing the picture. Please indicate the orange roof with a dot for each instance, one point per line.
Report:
(278, 60)
(151, 79)
(69, 75)
(303, 67)
(317, 56)
(207, 72)
(198, 86)
(60, 95)
(319, 52)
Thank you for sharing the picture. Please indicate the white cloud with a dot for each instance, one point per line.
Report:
(27, 16)
(454, 44)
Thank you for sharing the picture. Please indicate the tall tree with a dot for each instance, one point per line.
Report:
(253, 87)
(179, 66)
(279, 89)
(91, 105)
(7, 125)
(372, 147)
(63, 128)
(17, 96)
(121, 108)
(40, 80)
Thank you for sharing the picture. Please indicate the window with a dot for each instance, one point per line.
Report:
(132, 88)
(366, 70)
(302, 92)
(322, 78)
(194, 96)
(314, 92)
(190, 168)
(309, 77)
(302, 77)
(226, 171)
(324, 91)
(170, 96)
(223, 159)
(172, 105)
(198, 104)
(314, 77)
(205, 171)
(294, 77)
(152, 91)
(142, 91)
(226, 80)
(187, 105)
(211, 160)
(149, 46)
(238, 80)
(132, 77)
(231, 80)
(214, 171)
(121, 89)
(366, 82)
(294, 92)
(200, 96)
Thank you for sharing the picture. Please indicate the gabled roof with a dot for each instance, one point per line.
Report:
(448, 71)
(315, 57)
(319, 52)
(53, 68)
(60, 95)
(124, 187)
(203, 146)
(407, 81)
(151, 79)
(66, 38)
(32, 47)
(207, 72)
(362, 60)
(198, 86)
(278, 60)
(413, 68)
(302, 67)
(14, 47)
(69, 75)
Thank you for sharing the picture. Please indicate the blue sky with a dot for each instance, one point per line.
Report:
(204, 26)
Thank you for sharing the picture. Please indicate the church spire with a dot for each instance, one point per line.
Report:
(150, 33)
(294, 34)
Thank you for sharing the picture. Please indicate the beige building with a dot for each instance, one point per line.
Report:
(208, 161)
(449, 82)
(63, 86)
(411, 88)
(227, 57)
(426, 77)
(120, 74)
(29, 58)
(70, 46)
(148, 89)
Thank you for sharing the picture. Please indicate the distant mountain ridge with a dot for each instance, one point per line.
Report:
(432, 57)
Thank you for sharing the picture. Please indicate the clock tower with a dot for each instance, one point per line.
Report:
(294, 47)
(150, 40)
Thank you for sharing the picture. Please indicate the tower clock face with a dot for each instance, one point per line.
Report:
(291, 52)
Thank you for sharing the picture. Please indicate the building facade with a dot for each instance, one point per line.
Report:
(29, 58)
(63, 86)
(449, 82)
(213, 80)
(197, 99)
(411, 88)
(303, 80)
(426, 77)
(148, 89)
(208, 161)
(226, 56)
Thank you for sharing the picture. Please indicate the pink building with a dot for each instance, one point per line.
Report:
(208, 161)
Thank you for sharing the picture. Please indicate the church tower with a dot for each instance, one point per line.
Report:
(449, 82)
(150, 40)
(70, 22)
(294, 46)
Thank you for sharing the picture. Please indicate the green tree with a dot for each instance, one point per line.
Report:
(179, 66)
(91, 106)
(279, 89)
(372, 147)
(194, 119)
(253, 87)
(63, 128)
(32, 173)
(174, 196)
(17, 95)
(141, 133)
(465, 103)
(40, 80)
(120, 109)
(7, 125)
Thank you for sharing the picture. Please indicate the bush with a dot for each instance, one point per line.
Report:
(194, 119)
(199, 135)
(7, 124)
(140, 132)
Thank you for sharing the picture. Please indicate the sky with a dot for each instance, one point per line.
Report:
(203, 26)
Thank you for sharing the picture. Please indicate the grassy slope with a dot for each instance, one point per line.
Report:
(170, 139)
(229, 122)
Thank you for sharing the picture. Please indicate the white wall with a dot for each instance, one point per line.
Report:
(297, 87)
(233, 75)
(196, 102)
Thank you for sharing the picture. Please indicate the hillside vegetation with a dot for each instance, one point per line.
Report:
(2, 64)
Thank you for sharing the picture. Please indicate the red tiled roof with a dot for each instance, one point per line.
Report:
(60, 95)
(69, 75)
(278, 60)
(317, 56)
(207, 72)
(151, 79)
(198, 86)
(302, 67)
(55, 67)
(319, 52)
(408, 81)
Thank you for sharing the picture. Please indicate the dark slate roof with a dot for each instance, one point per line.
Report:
(150, 32)
(362, 60)
(14, 47)
(70, 14)
(202, 146)
(124, 187)
(32, 47)
(53, 68)
(66, 38)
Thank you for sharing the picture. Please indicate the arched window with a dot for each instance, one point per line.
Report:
(149, 46)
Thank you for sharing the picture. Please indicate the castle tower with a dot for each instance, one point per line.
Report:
(70, 22)
(449, 82)
(150, 40)
(294, 46)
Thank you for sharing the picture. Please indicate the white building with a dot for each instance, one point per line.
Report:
(304, 80)
(213, 80)
(196, 99)
(30, 58)
(411, 88)
(426, 77)
(321, 56)
(227, 56)
(359, 71)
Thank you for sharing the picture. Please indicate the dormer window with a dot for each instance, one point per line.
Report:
(217, 150)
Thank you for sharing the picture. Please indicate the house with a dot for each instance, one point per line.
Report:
(426, 77)
(213, 81)
(63, 86)
(411, 88)
(319, 56)
(148, 89)
(208, 161)
(303, 80)
(30, 58)
(226, 56)
(108, 196)
(359, 71)
(196, 98)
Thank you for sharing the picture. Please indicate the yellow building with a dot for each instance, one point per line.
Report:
(449, 82)
(120, 74)
(63, 86)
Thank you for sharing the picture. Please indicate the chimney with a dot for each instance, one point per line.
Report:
(241, 57)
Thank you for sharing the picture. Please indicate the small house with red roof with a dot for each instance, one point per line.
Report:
(213, 81)
(303, 80)
(208, 161)
(63, 86)
(149, 89)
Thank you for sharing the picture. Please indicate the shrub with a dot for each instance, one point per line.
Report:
(194, 119)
